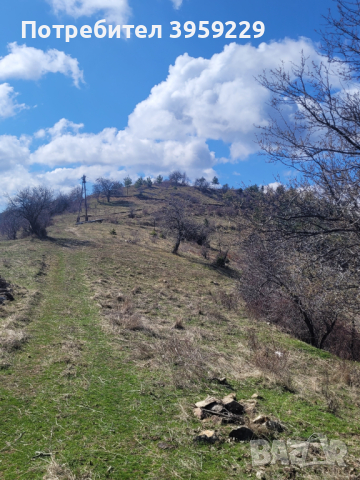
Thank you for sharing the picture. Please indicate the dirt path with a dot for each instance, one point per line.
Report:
(68, 393)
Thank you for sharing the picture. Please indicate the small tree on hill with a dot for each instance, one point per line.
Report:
(107, 187)
(202, 184)
(139, 182)
(159, 179)
(176, 218)
(33, 205)
(127, 182)
(178, 178)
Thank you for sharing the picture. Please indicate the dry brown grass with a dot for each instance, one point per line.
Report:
(57, 471)
(12, 340)
(229, 301)
(272, 359)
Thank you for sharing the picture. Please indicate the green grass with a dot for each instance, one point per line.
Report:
(73, 391)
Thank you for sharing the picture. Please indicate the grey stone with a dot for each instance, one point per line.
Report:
(242, 434)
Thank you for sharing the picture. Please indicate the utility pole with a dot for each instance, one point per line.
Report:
(83, 191)
(86, 208)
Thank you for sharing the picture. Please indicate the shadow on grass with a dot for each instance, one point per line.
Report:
(69, 242)
(117, 203)
(225, 272)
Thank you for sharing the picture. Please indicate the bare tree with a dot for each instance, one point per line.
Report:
(10, 224)
(176, 219)
(74, 199)
(294, 273)
(61, 203)
(303, 254)
(107, 187)
(178, 178)
(202, 184)
(33, 205)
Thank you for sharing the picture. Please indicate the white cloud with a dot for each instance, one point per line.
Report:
(122, 149)
(272, 186)
(63, 127)
(8, 105)
(177, 3)
(217, 98)
(201, 99)
(14, 152)
(29, 63)
(115, 11)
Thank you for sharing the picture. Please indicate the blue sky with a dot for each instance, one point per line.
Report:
(110, 107)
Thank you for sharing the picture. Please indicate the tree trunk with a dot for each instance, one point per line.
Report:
(177, 245)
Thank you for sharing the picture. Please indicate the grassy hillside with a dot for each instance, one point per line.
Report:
(111, 340)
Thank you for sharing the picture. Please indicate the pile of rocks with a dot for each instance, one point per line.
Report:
(230, 411)
(221, 412)
(5, 291)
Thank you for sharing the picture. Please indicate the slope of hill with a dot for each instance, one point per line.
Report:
(111, 340)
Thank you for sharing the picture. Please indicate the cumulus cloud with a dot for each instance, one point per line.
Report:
(216, 98)
(61, 128)
(116, 11)
(201, 99)
(14, 152)
(121, 148)
(8, 105)
(29, 63)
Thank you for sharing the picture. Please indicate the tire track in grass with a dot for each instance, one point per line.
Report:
(75, 407)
